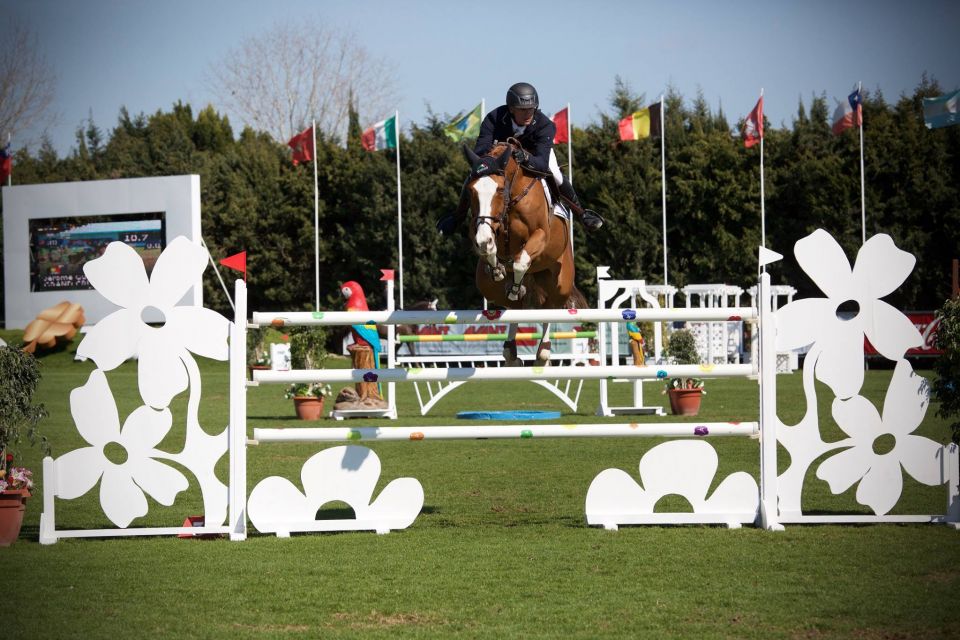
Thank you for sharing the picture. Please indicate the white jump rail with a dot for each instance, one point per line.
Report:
(387, 317)
(501, 432)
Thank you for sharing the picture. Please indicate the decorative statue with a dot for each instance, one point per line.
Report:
(636, 343)
(365, 352)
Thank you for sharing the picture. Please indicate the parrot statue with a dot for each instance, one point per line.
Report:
(363, 334)
(636, 343)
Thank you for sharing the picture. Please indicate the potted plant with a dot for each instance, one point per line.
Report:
(685, 393)
(258, 351)
(308, 399)
(19, 418)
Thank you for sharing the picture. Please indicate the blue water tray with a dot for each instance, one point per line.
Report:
(508, 415)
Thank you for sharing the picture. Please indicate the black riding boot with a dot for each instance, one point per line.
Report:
(448, 223)
(591, 219)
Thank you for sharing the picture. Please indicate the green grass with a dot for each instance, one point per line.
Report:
(501, 548)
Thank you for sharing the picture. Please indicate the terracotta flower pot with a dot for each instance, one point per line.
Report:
(12, 505)
(685, 402)
(308, 407)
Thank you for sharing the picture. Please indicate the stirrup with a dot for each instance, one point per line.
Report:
(591, 220)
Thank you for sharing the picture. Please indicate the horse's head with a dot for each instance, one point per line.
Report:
(486, 185)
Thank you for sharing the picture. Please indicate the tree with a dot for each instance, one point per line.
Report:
(26, 82)
(279, 81)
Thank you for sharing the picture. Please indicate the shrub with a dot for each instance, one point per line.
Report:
(307, 347)
(683, 347)
(947, 386)
(19, 417)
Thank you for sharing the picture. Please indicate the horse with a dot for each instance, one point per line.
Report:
(513, 231)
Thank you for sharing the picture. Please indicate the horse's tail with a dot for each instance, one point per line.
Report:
(577, 300)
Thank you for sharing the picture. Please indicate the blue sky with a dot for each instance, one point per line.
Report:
(147, 54)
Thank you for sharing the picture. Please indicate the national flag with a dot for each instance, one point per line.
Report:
(467, 126)
(302, 145)
(237, 262)
(642, 124)
(6, 163)
(753, 126)
(848, 113)
(382, 135)
(941, 111)
(561, 119)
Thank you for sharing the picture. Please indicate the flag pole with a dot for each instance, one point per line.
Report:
(863, 195)
(763, 213)
(316, 220)
(9, 175)
(396, 137)
(663, 185)
(483, 114)
(569, 168)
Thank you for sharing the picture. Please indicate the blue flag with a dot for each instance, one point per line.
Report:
(941, 111)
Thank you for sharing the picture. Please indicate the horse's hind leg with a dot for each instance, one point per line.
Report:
(543, 349)
(510, 347)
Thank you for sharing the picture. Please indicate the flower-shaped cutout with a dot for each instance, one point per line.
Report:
(879, 473)
(348, 474)
(682, 467)
(880, 268)
(119, 276)
(122, 483)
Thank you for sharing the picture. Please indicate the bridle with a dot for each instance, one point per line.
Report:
(506, 188)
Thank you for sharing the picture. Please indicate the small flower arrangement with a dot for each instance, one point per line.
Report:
(685, 383)
(15, 478)
(305, 390)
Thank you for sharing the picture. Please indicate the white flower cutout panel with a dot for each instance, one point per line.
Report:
(879, 270)
(880, 446)
(348, 474)
(681, 467)
(122, 459)
(119, 276)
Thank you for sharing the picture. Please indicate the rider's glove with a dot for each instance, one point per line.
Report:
(521, 156)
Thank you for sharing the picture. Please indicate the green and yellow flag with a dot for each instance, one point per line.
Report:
(467, 126)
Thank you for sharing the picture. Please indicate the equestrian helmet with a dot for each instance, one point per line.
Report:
(523, 95)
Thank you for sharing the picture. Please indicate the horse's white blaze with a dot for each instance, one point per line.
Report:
(486, 188)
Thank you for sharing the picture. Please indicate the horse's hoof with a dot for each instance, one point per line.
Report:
(543, 356)
(510, 353)
(497, 273)
(516, 291)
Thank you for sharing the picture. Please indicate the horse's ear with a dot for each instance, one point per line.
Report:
(471, 157)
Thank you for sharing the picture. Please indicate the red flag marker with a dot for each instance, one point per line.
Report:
(237, 262)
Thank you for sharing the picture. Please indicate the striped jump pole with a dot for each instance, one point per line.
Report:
(431, 374)
(495, 337)
(507, 432)
(337, 318)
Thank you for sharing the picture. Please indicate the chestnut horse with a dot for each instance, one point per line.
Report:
(514, 232)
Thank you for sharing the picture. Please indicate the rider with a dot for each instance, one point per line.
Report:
(522, 119)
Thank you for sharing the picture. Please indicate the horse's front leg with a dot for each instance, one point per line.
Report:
(543, 349)
(531, 250)
(510, 347)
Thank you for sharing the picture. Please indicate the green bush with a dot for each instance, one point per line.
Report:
(19, 417)
(947, 386)
(307, 347)
(683, 347)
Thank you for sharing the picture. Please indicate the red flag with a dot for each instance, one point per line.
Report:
(237, 262)
(560, 119)
(302, 145)
(753, 126)
(6, 163)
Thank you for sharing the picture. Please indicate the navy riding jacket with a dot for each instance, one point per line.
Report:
(536, 139)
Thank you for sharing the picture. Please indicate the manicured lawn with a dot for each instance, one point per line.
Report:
(501, 548)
